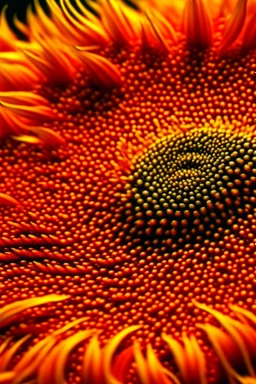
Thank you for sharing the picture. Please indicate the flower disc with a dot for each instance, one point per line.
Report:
(191, 183)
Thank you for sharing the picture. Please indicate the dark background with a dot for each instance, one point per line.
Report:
(19, 7)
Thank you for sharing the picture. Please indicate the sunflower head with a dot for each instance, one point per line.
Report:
(127, 204)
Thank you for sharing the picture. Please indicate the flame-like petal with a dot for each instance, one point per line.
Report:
(57, 62)
(197, 24)
(101, 70)
(20, 111)
(150, 370)
(8, 200)
(8, 355)
(161, 29)
(249, 39)
(235, 346)
(120, 22)
(16, 72)
(99, 363)
(90, 31)
(53, 367)
(10, 310)
(235, 25)
(190, 359)
(6, 377)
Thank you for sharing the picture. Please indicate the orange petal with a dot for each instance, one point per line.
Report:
(120, 22)
(101, 70)
(162, 29)
(237, 346)
(30, 362)
(235, 25)
(197, 24)
(8, 200)
(9, 353)
(7, 377)
(249, 40)
(53, 366)
(90, 31)
(26, 98)
(110, 349)
(122, 363)
(190, 359)
(150, 370)
(7, 37)
(99, 363)
(35, 112)
(92, 371)
(48, 137)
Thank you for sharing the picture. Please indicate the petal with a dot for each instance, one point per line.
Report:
(235, 25)
(197, 24)
(11, 310)
(190, 359)
(53, 366)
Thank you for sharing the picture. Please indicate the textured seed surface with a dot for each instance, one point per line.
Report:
(135, 244)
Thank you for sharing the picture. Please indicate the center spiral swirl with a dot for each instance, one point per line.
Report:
(191, 186)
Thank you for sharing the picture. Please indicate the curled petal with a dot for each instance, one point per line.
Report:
(100, 364)
(223, 345)
(68, 326)
(150, 370)
(30, 362)
(91, 31)
(92, 371)
(122, 363)
(111, 347)
(16, 76)
(237, 346)
(56, 61)
(246, 315)
(8, 355)
(44, 136)
(190, 359)
(10, 310)
(27, 139)
(53, 366)
(247, 380)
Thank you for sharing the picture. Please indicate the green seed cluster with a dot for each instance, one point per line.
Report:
(191, 186)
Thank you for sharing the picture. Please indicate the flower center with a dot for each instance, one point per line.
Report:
(191, 186)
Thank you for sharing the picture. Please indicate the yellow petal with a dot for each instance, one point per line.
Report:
(10, 310)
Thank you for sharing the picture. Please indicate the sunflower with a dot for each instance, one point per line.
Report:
(127, 201)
